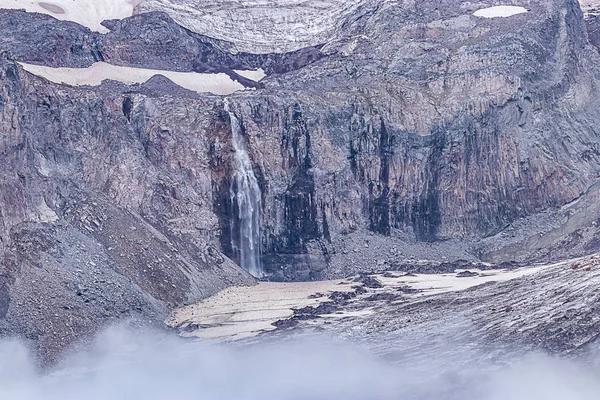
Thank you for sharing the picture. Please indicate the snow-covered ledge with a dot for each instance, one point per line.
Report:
(499, 11)
(255, 76)
(220, 84)
(87, 13)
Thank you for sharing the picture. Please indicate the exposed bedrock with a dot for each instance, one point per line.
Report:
(446, 131)
(151, 40)
(93, 211)
(415, 131)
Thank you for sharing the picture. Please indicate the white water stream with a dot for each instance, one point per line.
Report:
(246, 204)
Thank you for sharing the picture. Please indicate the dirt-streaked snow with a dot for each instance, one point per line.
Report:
(86, 13)
(590, 7)
(220, 84)
(499, 11)
(255, 76)
(239, 312)
(430, 284)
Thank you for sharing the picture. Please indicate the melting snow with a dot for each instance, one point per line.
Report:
(499, 11)
(255, 76)
(86, 13)
(432, 284)
(259, 26)
(45, 213)
(220, 84)
(239, 312)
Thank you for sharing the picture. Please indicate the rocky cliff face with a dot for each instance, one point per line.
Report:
(86, 206)
(429, 125)
(412, 131)
(262, 27)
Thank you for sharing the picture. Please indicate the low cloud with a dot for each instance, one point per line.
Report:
(124, 364)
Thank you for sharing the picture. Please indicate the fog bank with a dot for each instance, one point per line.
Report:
(124, 364)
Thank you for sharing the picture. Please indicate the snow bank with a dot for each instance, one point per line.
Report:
(255, 76)
(86, 13)
(220, 84)
(239, 312)
(499, 11)
(430, 284)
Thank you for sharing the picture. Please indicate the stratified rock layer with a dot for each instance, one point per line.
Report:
(412, 131)
(266, 26)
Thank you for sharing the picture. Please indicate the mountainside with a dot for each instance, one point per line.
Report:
(397, 132)
(263, 27)
(466, 320)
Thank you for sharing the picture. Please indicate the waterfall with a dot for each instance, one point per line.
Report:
(246, 204)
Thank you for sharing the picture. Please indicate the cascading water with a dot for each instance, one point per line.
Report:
(246, 204)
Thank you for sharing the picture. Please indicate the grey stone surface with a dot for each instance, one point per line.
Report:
(93, 227)
(467, 332)
(415, 131)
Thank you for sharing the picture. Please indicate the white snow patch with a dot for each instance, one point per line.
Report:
(45, 213)
(442, 283)
(86, 13)
(220, 83)
(239, 312)
(255, 76)
(42, 166)
(499, 11)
